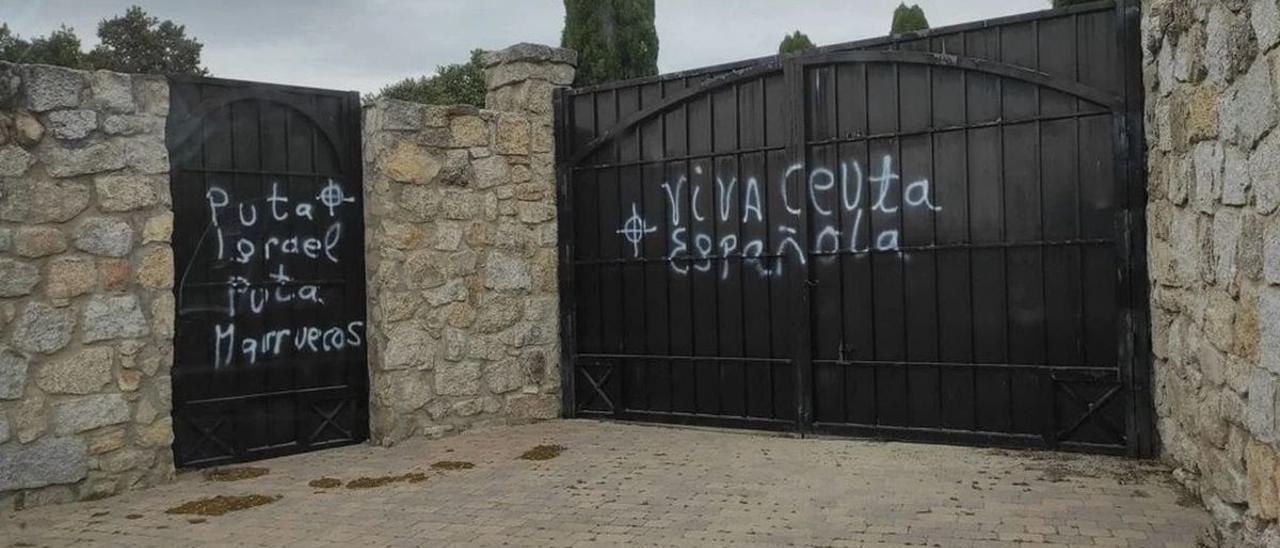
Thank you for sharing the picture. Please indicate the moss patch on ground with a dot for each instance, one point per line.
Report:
(221, 504)
(325, 483)
(369, 483)
(235, 474)
(543, 452)
(453, 465)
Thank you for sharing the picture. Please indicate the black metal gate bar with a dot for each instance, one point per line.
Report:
(980, 280)
(1136, 326)
(798, 270)
(269, 353)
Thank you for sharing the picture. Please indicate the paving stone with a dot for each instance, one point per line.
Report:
(616, 484)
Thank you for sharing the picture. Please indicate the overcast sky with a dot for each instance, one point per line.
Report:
(364, 44)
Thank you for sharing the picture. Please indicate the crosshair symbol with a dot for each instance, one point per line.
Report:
(332, 196)
(634, 229)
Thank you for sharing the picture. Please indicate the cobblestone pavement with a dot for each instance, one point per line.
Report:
(651, 485)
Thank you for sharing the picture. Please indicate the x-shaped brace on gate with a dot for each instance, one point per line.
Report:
(1091, 412)
(329, 419)
(597, 386)
(207, 434)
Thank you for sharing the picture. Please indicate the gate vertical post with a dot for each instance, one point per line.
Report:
(565, 237)
(354, 136)
(799, 283)
(1135, 326)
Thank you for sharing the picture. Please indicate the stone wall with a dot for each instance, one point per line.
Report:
(1210, 68)
(86, 312)
(461, 250)
(461, 246)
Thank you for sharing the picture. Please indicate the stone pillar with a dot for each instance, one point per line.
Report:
(522, 77)
(460, 247)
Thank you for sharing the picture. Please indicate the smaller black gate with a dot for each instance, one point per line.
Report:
(269, 353)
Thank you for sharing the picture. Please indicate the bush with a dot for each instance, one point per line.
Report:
(61, 47)
(452, 84)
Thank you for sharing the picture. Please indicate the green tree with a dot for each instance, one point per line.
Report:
(452, 84)
(61, 47)
(908, 19)
(137, 42)
(615, 39)
(1065, 3)
(795, 42)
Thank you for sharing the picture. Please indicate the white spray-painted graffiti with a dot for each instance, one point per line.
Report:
(833, 231)
(268, 235)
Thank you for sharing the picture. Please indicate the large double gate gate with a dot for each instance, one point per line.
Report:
(935, 237)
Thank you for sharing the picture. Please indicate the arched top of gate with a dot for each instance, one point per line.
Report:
(1094, 95)
(1088, 93)
(184, 131)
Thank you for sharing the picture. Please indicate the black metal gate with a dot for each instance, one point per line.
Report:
(936, 237)
(269, 354)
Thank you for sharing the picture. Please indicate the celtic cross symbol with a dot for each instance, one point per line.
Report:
(634, 229)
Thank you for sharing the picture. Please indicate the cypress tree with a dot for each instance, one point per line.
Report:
(908, 19)
(794, 42)
(615, 39)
